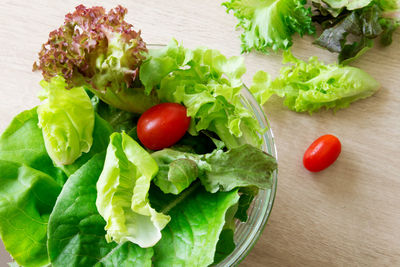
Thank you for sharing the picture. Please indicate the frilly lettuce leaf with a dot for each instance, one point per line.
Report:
(218, 171)
(101, 51)
(66, 118)
(269, 25)
(122, 198)
(310, 86)
(208, 85)
(76, 235)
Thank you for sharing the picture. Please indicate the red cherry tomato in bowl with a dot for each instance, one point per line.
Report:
(162, 125)
(322, 153)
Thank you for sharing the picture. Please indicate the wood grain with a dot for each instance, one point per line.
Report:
(347, 215)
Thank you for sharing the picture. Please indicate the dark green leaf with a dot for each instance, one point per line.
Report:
(225, 246)
(191, 238)
(76, 229)
(247, 194)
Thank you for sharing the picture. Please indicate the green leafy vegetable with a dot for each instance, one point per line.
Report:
(238, 167)
(310, 86)
(208, 85)
(349, 27)
(122, 194)
(22, 142)
(219, 170)
(27, 197)
(247, 194)
(76, 229)
(101, 51)
(101, 137)
(67, 121)
(197, 220)
(269, 25)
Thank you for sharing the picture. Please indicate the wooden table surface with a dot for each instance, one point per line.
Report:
(347, 215)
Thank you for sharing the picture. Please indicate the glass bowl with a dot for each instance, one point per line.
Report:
(247, 234)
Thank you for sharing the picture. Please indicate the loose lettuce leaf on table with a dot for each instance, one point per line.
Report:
(101, 51)
(269, 25)
(76, 229)
(208, 84)
(66, 118)
(122, 194)
(349, 27)
(310, 86)
(197, 220)
(27, 197)
(220, 170)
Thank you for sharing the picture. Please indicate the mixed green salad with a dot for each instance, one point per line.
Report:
(106, 171)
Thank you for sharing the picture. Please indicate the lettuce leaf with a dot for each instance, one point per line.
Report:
(220, 170)
(101, 51)
(269, 25)
(76, 229)
(197, 221)
(208, 85)
(310, 86)
(22, 142)
(27, 197)
(122, 194)
(349, 27)
(67, 121)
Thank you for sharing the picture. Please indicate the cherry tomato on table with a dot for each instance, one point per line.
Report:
(322, 153)
(162, 125)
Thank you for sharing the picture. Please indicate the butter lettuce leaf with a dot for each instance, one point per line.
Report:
(310, 86)
(208, 84)
(197, 220)
(269, 25)
(27, 197)
(122, 194)
(76, 229)
(22, 142)
(66, 118)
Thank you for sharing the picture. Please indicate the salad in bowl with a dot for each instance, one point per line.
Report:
(138, 155)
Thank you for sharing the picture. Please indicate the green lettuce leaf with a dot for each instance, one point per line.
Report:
(76, 229)
(27, 197)
(310, 86)
(101, 137)
(247, 194)
(100, 51)
(197, 220)
(22, 142)
(220, 170)
(122, 194)
(67, 121)
(208, 84)
(177, 170)
(269, 25)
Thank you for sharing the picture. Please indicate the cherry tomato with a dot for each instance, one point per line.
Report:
(162, 125)
(322, 153)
